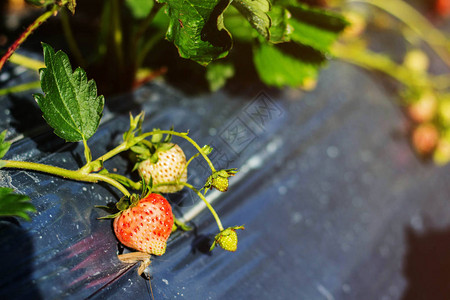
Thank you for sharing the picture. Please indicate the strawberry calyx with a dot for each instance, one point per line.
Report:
(124, 203)
(180, 225)
(219, 180)
(227, 239)
(148, 150)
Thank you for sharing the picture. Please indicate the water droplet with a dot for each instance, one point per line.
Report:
(332, 152)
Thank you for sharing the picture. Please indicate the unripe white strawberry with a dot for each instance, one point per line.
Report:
(170, 166)
(416, 60)
(424, 109)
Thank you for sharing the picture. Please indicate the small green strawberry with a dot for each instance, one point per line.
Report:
(219, 180)
(227, 239)
(144, 224)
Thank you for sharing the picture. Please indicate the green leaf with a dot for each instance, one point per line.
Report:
(70, 104)
(314, 27)
(197, 30)
(15, 205)
(217, 74)
(4, 146)
(286, 64)
(207, 149)
(255, 11)
(280, 30)
(239, 27)
(139, 8)
(71, 4)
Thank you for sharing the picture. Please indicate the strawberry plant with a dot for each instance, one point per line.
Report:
(284, 42)
(143, 218)
(423, 93)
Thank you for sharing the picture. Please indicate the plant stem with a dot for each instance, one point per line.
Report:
(20, 88)
(148, 45)
(147, 21)
(382, 63)
(418, 23)
(142, 51)
(125, 180)
(184, 136)
(68, 34)
(117, 33)
(111, 181)
(29, 63)
(122, 147)
(127, 145)
(69, 174)
(211, 209)
(41, 19)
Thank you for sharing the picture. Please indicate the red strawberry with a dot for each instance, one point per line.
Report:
(146, 225)
(442, 7)
(425, 138)
(170, 166)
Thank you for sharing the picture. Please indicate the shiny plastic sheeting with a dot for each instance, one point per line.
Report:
(335, 204)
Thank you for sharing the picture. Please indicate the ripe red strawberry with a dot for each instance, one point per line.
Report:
(145, 225)
(442, 7)
(167, 165)
(425, 137)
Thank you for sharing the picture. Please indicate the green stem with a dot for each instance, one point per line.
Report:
(182, 135)
(20, 88)
(442, 82)
(41, 19)
(127, 145)
(29, 63)
(418, 23)
(147, 47)
(211, 209)
(111, 181)
(190, 160)
(125, 181)
(140, 55)
(117, 33)
(68, 34)
(122, 147)
(77, 175)
(369, 60)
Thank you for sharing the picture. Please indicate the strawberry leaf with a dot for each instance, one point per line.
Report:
(70, 104)
(197, 30)
(4, 146)
(15, 205)
(255, 11)
(286, 64)
(217, 75)
(139, 8)
(314, 27)
(280, 30)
